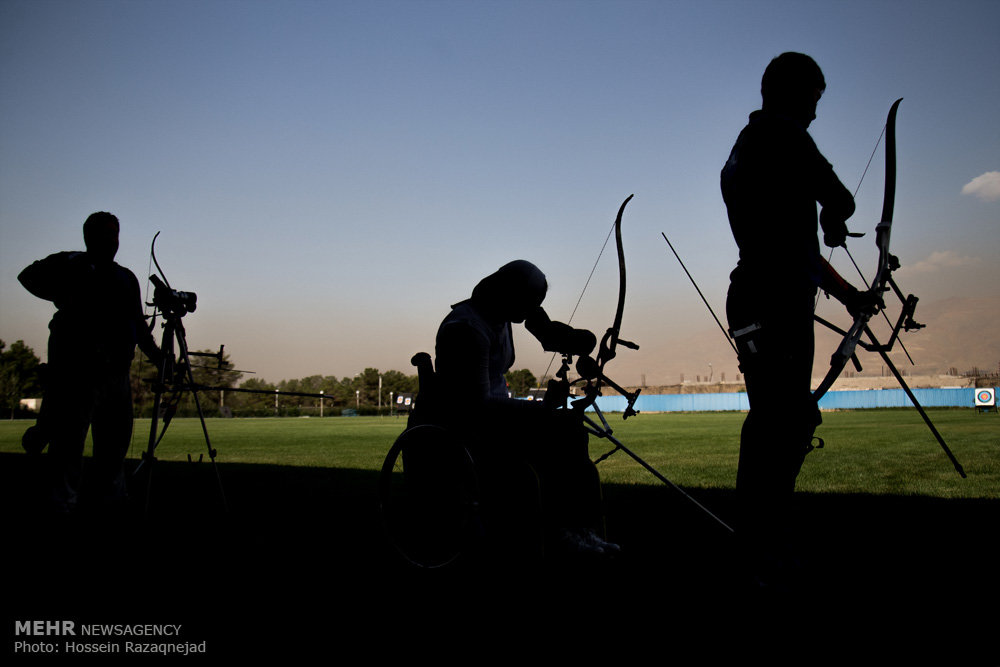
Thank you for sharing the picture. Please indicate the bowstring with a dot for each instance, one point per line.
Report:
(580, 299)
(142, 357)
(861, 180)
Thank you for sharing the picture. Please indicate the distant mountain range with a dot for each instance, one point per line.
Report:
(961, 333)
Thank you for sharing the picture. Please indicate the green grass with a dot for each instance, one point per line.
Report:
(866, 451)
(869, 451)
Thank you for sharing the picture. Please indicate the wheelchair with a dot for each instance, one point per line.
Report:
(440, 504)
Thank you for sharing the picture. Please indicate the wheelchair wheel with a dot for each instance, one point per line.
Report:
(429, 496)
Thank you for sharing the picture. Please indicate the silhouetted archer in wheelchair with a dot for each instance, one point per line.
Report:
(475, 466)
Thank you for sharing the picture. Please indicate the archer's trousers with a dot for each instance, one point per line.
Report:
(776, 357)
(77, 401)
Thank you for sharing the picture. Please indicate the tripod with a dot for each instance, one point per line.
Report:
(173, 306)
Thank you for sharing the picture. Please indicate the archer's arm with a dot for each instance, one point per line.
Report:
(558, 337)
(855, 300)
(58, 277)
(838, 206)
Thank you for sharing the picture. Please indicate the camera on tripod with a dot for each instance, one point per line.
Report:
(170, 301)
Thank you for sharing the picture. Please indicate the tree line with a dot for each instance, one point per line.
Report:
(20, 377)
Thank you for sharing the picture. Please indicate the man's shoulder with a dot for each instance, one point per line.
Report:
(62, 257)
(773, 140)
(125, 273)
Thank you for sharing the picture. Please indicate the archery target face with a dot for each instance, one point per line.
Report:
(985, 397)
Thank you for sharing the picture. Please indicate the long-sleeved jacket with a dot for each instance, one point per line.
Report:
(771, 183)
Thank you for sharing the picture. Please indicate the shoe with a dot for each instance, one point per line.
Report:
(609, 548)
(587, 544)
(576, 544)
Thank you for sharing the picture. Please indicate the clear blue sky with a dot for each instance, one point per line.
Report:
(330, 176)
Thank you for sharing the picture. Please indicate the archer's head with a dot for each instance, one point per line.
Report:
(100, 235)
(791, 86)
(512, 292)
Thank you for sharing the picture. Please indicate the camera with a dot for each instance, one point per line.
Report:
(171, 301)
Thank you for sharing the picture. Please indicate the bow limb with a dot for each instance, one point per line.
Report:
(149, 278)
(609, 343)
(884, 227)
(852, 336)
(612, 338)
(152, 252)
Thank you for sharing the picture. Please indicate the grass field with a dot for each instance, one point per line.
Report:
(900, 551)
(870, 451)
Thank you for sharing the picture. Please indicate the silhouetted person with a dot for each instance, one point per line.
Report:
(92, 340)
(473, 351)
(771, 184)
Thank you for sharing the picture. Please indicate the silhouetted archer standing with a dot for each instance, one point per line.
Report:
(771, 183)
(92, 340)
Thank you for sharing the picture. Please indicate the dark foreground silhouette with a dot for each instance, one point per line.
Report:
(299, 567)
(93, 336)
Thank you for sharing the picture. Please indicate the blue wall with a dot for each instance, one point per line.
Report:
(833, 400)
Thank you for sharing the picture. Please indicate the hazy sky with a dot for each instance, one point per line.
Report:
(330, 176)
